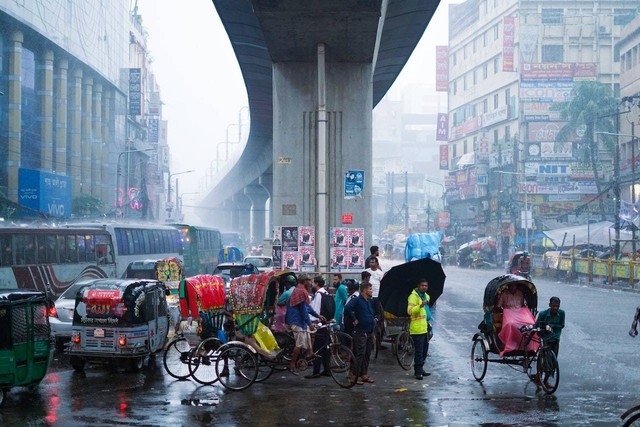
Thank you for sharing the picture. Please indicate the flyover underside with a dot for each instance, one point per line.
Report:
(282, 31)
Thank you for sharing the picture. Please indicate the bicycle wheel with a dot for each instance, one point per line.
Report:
(478, 359)
(405, 350)
(548, 371)
(287, 343)
(236, 367)
(202, 363)
(265, 368)
(343, 366)
(176, 358)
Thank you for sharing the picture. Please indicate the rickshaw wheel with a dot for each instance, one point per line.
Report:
(136, 364)
(176, 358)
(77, 363)
(478, 359)
(343, 366)
(405, 350)
(202, 364)
(3, 396)
(236, 367)
(548, 371)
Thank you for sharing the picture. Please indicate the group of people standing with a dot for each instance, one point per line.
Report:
(356, 309)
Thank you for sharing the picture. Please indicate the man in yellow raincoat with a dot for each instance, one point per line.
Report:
(418, 310)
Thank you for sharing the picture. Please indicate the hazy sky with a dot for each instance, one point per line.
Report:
(202, 88)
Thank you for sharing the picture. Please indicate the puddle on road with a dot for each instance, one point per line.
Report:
(200, 402)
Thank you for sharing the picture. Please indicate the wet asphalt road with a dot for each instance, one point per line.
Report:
(598, 361)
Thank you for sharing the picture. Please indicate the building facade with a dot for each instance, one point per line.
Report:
(64, 119)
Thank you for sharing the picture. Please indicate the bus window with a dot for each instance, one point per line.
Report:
(51, 245)
(72, 249)
(82, 249)
(62, 249)
(25, 249)
(6, 258)
(41, 249)
(104, 252)
(91, 247)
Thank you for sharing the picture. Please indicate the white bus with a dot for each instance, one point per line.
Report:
(135, 242)
(50, 259)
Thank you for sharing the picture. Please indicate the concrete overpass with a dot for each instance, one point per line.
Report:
(365, 44)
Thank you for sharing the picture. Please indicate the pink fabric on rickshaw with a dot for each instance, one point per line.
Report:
(510, 335)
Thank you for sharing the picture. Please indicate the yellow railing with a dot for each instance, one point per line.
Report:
(610, 269)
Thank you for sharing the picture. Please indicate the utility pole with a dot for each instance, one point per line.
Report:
(633, 185)
(406, 202)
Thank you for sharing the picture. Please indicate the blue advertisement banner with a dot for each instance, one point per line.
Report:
(154, 125)
(45, 192)
(353, 184)
(135, 91)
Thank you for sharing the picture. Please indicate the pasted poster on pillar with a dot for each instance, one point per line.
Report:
(307, 258)
(289, 239)
(307, 236)
(340, 237)
(290, 260)
(356, 237)
(339, 259)
(276, 255)
(356, 259)
(353, 184)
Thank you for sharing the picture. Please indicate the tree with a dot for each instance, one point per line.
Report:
(586, 112)
(87, 206)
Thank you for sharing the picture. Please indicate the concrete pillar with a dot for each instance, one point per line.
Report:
(14, 138)
(258, 196)
(349, 136)
(224, 215)
(241, 221)
(46, 110)
(75, 110)
(60, 84)
(85, 168)
(97, 185)
(266, 181)
(108, 170)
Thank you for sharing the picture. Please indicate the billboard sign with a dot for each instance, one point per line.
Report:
(442, 68)
(45, 192)
(135, 91)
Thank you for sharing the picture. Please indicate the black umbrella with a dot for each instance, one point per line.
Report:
(397, 284)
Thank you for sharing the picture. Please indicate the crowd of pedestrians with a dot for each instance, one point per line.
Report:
(356, 309)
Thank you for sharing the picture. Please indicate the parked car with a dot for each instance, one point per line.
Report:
(62, 318)
(263, 263)
(230, 270)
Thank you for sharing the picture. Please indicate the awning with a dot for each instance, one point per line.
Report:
(467, 159)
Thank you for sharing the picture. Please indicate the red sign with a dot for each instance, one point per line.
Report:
(508, 43)
(443, 219)
(102, 295)
(444, 157)
(347, 218)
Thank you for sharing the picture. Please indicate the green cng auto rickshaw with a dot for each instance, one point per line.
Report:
(119, 321)
(25, 347)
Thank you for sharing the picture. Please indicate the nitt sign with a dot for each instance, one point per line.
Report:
(347, 218)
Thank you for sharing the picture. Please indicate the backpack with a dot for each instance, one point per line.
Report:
(327, 306)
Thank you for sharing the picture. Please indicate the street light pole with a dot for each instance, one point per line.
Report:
(119, 172)
(526, 204)
(169, 206)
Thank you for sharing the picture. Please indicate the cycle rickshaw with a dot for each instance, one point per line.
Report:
(25, 347)
(507, 336)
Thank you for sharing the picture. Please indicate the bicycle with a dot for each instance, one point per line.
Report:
(403, 347)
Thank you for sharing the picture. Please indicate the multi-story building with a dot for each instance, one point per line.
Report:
(65, 117)
(512, 63)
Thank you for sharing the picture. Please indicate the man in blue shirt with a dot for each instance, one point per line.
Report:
(298, 320)
(360, 310)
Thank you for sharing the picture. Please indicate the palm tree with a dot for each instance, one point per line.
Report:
(586, 112)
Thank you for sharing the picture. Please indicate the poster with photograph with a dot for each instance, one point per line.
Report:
(338, 259)
(277, 236)
(356, 237)
(276, 254)
(356, 259)
(339, 237)
(289, 239)
(307, 258)
(306, 236)
(290, 260)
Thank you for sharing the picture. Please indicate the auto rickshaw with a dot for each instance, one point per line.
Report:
(25, 346)
(119, 320)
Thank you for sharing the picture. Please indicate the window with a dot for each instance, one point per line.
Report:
(507, 95)
(454, 153)
(623, 16)
(485, 71)
(496, 32)
(495, 137)
(455, 57)
(552, 16)
(466, 149)
(464, 52)
(455, 87)
(475, 77)
(485, 105)
(484, 39)
(507, 133)
(552, 53)
(496, 65)
(475, 45)
(464, 81)
(496, 101)
(6, 257)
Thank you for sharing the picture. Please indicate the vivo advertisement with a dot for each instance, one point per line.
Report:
(45, 192)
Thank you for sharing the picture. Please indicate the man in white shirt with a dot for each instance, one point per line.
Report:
(376, 276)
(321, 337)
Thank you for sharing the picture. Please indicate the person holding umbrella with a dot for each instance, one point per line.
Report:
(418, 310)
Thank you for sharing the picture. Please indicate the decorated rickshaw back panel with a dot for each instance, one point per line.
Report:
(247, 295)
